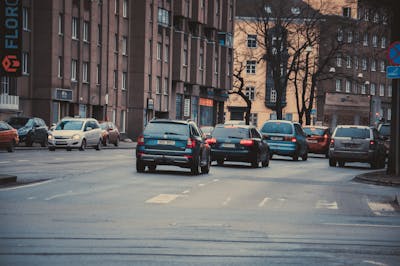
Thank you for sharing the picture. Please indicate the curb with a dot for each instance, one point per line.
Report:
(6, 179)
(378, 178)
(109, 147)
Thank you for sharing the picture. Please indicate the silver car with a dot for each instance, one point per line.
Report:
(356, 144)
(75, 133)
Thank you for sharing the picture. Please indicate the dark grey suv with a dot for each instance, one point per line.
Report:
(173, 142)
(356, 144)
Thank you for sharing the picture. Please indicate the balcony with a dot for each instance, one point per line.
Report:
(9, 102)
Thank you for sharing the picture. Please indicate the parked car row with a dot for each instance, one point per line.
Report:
(68, 133)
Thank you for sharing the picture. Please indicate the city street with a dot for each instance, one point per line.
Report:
(93, 208)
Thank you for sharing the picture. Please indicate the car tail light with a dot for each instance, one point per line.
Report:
(140, 140)
(211, 141)
(247, 142)
(326, 136)
(372, 144)
(332, 144)
(191, 143)
(292, 139)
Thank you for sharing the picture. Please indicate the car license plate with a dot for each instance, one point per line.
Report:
(166, 142)
(276, 138)
(312, 141)
(228, 145)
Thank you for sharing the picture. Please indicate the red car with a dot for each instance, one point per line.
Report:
(318, 139)
(8, 136)
(110, 133)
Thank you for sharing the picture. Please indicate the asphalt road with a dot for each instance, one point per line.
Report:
(92, 208)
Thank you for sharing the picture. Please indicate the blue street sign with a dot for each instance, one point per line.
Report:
(394, 53)
(393, 72)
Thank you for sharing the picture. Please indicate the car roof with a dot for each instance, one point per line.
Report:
(353, 126)
(172, 121)
(319, 127)
(77, 119)
(234, 126)
(280, 121)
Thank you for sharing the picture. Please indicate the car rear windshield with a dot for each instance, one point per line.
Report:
(314, 131)
(231, 132)
(277, 127)
(18, 122)
(353, 132)
(167, 129)
(69, 125)
(385, 130)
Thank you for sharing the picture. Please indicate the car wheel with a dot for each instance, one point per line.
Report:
(220, 162)
(206, 169)
(69, 149)
(140, 166)
(11, 148)
(341, 163)
(116, 143)
(332, 162)
(271, 155)
(152, 168)
(255, 163)
(305, 156)
(295, 157)
(266, 162)
(52, 149)
(194, 169)
(98, 145)
(83, 145)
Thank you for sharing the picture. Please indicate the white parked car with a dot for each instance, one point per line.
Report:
(72, 133)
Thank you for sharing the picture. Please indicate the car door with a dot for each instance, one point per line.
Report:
(41, 130)
(262, 146)
(88, 131)
(301, 138)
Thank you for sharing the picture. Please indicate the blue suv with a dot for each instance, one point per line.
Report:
(285, 138)
(173, 142)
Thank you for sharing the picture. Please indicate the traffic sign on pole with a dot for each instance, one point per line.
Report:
(393, 72)
(394, 54)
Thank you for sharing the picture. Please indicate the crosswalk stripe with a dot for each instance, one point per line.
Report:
(323, 204)
(163, 198)
(263, 202)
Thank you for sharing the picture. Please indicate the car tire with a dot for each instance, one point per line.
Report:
(194, 169)
(152, 168)
(116, 143)
(255, 162)
(11, 148)
(271, 155)
(206, 168)
(220, 162)
(98, 145)
(295, 157)
(341, 163)
(140, 166)
(69, 149)
(83, 145)
(266, 162)
(305, 156)
(332, 162)
(52, 149)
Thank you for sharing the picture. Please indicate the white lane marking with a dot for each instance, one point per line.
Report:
(21, 161)
(378, 208)
(226, 202)
(263, 202)
(375, 262)
(365, 225)
(201, 185)
(215, 180)
(31, 198)
(323, 204)
(282, 199)
(163, 198)
(186, 192)
(83, 192)
(60, 195)
(5, 162)
(26, 186)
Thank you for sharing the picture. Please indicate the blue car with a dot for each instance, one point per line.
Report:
(285, 138)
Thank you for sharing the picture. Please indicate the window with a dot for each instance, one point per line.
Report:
(350, 37)
(123, 119)
(373, 65)
(348, 86)
(60, 24)
(273, 96)
(383, 42)
(375, 41)
(75, 28)
(123, 85)
(356, 62)
(124, 45)
(60, 67)
(338, 85)
(98, 74)
(372, 89)
(165, 87)
(363, 89)
(99, 34)
(85, 31)
(116, 42)
(348, 61)
(5, 85)
(376, 17)
(159, 52)
(25, 63)
(340, 35)
(158, 86)
(115, 79)
(365, 39)
(201, 59)
(347, 12)
(115, 7)
(74, 65)
(254, 121)
(295, 10)
(85, 71)
(25, 18)
(251, 41)
(251, 66)
(381, 90)
(364, 64)
(382, 66)
(125, 8)
(339, 60)
(250, 93)
(267, 9)
(166, 53)
(185, 56)
(389, 92)
(366, 14)
(163, 17)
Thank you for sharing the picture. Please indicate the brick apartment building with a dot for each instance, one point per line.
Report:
(126, 61)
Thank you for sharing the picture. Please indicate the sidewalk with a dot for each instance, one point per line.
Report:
(123, 144)
(378, 178)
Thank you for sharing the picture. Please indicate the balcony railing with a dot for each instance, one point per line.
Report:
(9, 102)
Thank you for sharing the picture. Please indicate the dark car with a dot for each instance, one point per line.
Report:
(207, 130)
(238, 143)
(172, 142)
(384, 131)
(353, 143)
(110, 133)
(318, 139)
(30, 130)
(286, 138)
(8, 136)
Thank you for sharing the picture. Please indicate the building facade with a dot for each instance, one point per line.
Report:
(123, 61)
